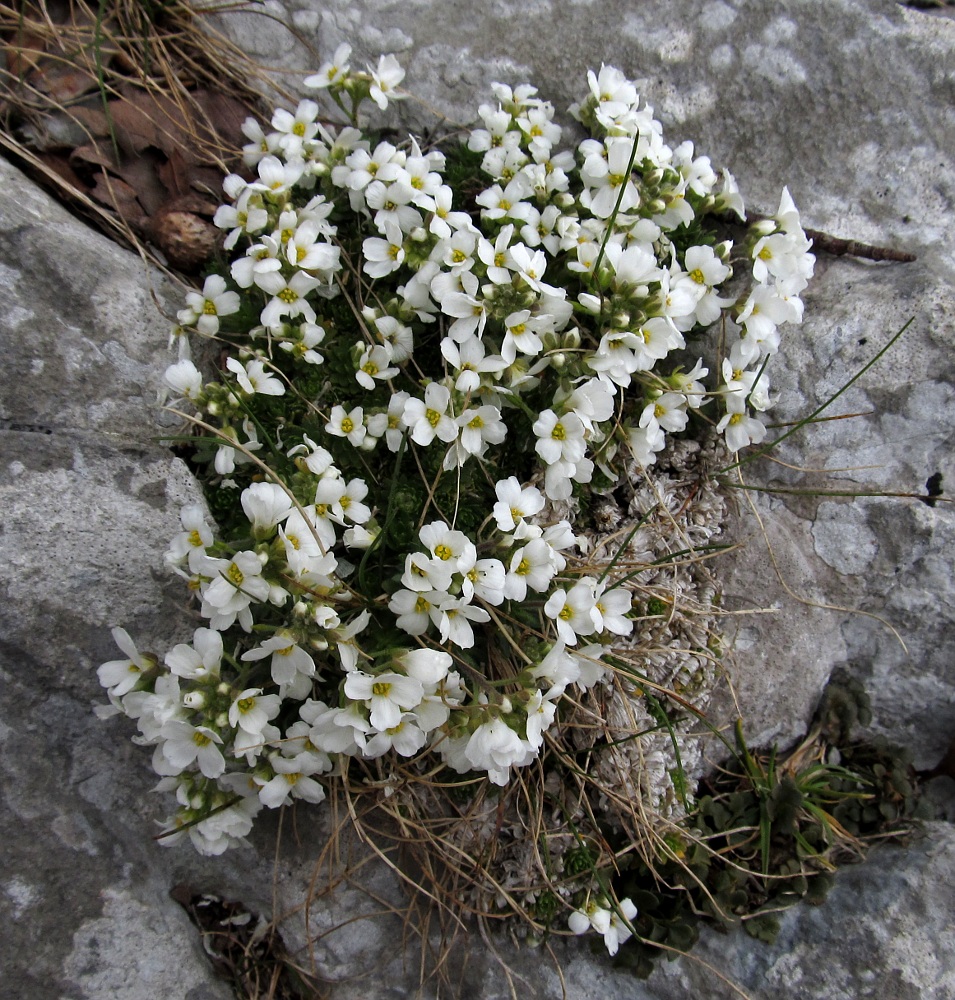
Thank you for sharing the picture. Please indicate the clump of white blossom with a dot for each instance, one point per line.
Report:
(425, 388)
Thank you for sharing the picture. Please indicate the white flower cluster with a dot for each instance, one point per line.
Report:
(527, 346)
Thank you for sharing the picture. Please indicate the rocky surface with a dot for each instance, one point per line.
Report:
(850, 105)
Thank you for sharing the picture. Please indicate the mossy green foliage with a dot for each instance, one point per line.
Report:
(769, 831)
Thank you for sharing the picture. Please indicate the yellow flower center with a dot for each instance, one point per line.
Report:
(697, 275)
(432, 416)
(288, 296)
(235, 574)
(443, 552)
(558, 433)
(381, 689)
(348, 425)
(200, 739)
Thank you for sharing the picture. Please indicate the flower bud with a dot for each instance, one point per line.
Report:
(572, 339)
(195, 700)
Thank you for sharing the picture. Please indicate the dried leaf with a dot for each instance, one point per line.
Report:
(93, 120)
(141, 174)
(24, 52)
(174, 174)
(134, 127)
(61, 82)
(207, 181)
(99, 152)
(60, 165)
(118, 195)
(224, 115)
(143, 119)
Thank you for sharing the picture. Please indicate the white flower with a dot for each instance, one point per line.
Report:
(740, 430)
(455, 615)
(289, 297)
(429, 419)
(611, 608)
(384, 79)
(414, 609)
(406, 738)
(451, 547)
(331, 73)
(612, 923)
(288, 658)
(291, 780)
(204, 309)
(201, 659)
(184, 379)
(252, 710)
(347, 425)
(384, 694)
(374, 363)
(121, 676)
(276, 177)
(541, 709)
(468, 361)
(383, 256)
(515, 503)
(185, 744)
(494, 747)
(573, 612)
(485, 580)
(189, 546)
(253, 378)
(531, 566)
(480, 427)
(237, 583)
(265, 504)
(559, 439)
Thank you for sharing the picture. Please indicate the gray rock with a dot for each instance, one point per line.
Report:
(850, 106)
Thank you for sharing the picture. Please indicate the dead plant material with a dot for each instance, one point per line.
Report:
(245, 949)
(131, 107)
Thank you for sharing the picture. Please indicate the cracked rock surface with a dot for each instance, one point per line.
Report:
(848, 103)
